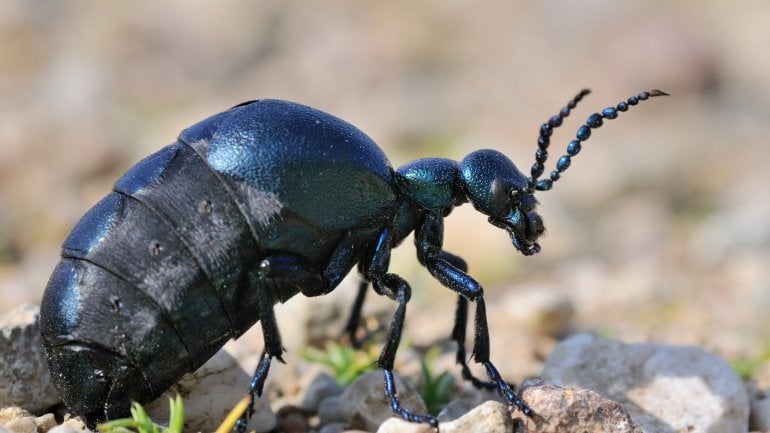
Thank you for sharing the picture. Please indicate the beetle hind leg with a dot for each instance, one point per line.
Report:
(350, 333)
(273, 346)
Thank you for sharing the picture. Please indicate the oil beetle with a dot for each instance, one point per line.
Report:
(248, 208)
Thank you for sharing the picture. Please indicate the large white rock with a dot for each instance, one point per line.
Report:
(664, 388)
(210, 393)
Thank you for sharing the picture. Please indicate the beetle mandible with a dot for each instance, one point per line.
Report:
(248, 208)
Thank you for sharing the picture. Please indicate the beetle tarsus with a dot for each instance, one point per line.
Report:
(395, 405)
(506, 391)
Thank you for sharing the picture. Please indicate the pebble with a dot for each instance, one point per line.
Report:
(363, 404)
(760, 414)
(453, 410)
(24, 378)
(321, 387)
(64, 428)
(329, 409)
(562, 410)
(489, 417)
(664, 388)
(334, 427)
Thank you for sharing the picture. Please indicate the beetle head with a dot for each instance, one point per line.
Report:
(499, 190)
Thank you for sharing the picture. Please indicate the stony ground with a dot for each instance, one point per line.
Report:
(658, 232)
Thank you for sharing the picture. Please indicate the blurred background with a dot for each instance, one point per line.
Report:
(659, 230)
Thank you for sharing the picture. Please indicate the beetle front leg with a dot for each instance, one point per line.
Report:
(429, 240)
(461, 323)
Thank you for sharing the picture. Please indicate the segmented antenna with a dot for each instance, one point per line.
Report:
(583, 133)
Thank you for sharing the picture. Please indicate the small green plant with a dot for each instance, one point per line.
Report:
(346, 363)
(142, 423)
(747, 367)
(435, 390)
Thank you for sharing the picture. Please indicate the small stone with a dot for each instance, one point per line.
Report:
(364, 406)
(561, 410)
(397, 425)
(11, 413)
(334, 427)
(24, 424)
(760, 414)
(321, 387)
(24, 378)
(210, 393)
(664, 388)
(45, 422)
(75, 423)
(64, 428)
(453, 410)
(329, 410)
(293, 419)
(490, 417)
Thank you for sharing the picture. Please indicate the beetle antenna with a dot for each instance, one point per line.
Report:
(544, 139)
(583, 133)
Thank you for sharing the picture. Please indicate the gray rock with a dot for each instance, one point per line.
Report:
(329, 410)
(24, 378)
(760, 414)
(321, 387)
(364, 406)
(210, 393)
(666, 389)
(453, 410)
(561, 410)
(333, 427)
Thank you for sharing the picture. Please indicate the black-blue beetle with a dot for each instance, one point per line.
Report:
(248, 208)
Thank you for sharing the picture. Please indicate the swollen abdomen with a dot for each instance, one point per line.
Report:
(142, 293)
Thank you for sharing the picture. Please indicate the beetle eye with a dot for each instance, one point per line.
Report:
(498, 194)
(515, 194)
(528, 203)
